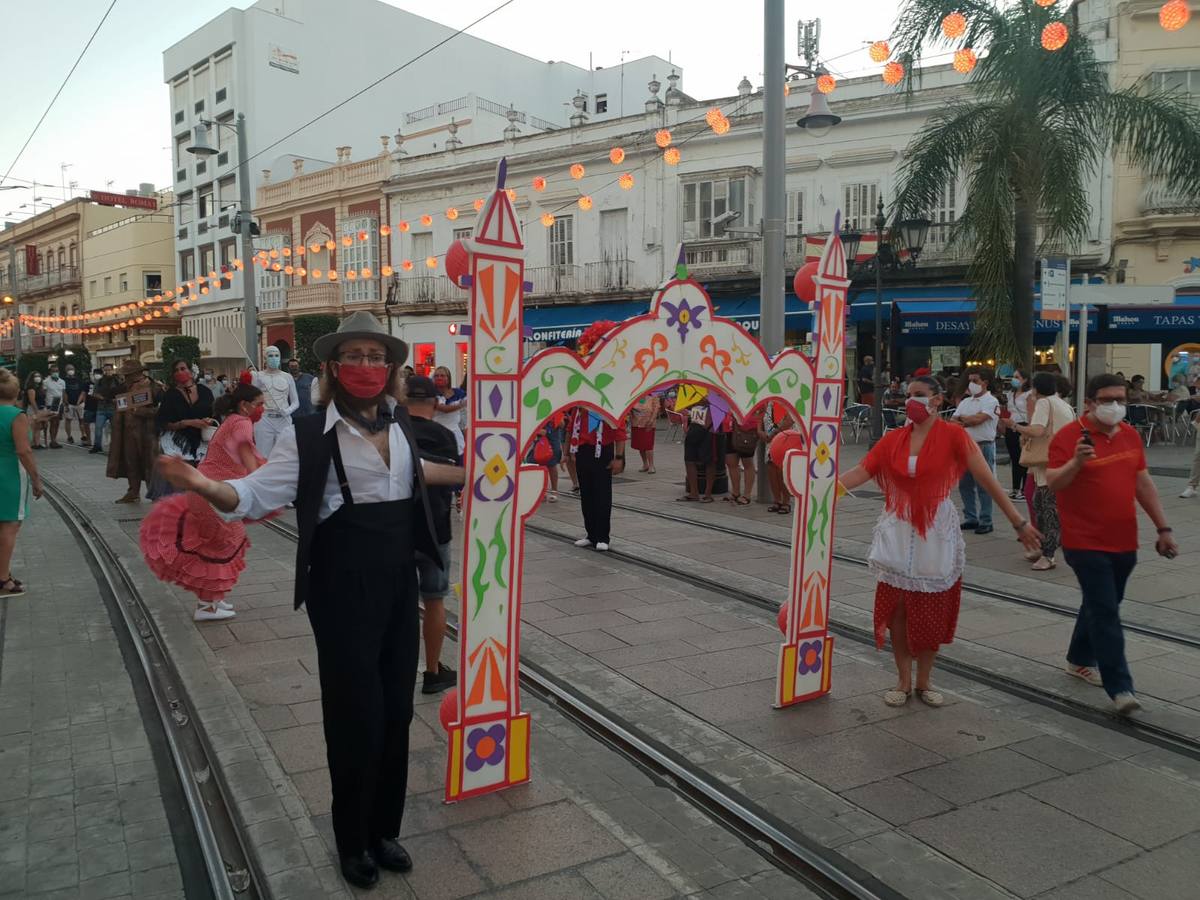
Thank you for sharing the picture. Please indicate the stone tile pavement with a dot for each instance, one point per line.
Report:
(82, 811)
(590, 825)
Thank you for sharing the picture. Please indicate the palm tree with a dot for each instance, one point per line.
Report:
(1028, 141)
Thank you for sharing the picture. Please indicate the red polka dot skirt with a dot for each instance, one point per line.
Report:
(930, 618)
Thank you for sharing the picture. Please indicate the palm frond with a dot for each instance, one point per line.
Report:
(919, 24)
(939, 153)
(1160, 131)
(1066, 159)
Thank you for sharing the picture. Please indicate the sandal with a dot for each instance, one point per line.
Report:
(742, 501)
(706, 499)
(784, 510)
(730, 498)
(651, 471)
(11, 588)
(931, 697)
(774, 507)
(686, 499)
(896, 698)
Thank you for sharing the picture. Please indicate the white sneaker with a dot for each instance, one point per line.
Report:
(1188, 493)
(1126, 703)
(1087, 673)
(602, 547)
(224, 604)
(212, 613)
(583, 542)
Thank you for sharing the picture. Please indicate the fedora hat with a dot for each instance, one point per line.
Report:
(360, 326)
(132, 367)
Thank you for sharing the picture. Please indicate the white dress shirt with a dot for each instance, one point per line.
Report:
(273, 485)
(971, 406)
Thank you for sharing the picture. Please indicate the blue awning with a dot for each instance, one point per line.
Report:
(746, 310)
(552, 324)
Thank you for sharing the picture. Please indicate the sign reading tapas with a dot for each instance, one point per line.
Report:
(105, 198)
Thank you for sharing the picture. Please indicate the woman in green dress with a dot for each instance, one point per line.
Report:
(18, 477)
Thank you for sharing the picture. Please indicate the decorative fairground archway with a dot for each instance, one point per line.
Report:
(678, 340)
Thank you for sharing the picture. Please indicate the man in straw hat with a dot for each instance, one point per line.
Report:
(359, 486)
(134, 442)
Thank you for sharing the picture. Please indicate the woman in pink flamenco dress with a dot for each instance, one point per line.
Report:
(184, 540)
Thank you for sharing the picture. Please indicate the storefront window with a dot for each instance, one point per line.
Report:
(424, 359)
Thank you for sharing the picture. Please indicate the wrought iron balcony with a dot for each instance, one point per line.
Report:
(554, 280)
(608, 275)
(722, 257)
(1158, 200)
(417, 289)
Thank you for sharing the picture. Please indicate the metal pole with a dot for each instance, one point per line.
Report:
(877, 396)
(250, 307)
(771, 311)
(1081, 350)
(12, 285)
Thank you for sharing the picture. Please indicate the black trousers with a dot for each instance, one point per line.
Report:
(1012, 441)
(595, 491)
(363, 610)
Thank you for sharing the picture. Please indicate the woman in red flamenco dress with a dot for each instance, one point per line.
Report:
(184, 540)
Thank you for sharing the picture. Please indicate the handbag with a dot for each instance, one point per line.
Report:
(1035, 451)
(543, 452)
(745, 442)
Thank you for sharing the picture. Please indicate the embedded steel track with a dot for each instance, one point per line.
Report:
(212, 828)
(1139, 728)
(823, 871)
(981, 590)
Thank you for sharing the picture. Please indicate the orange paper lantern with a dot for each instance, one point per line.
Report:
(616, 156)
(347, 240)
(478, 204)
(403, 226)
(286, 251)
(539, 185)
(511, 194)
(330, 245)
(427, 219)
(407, 265)
(331, 275)
(385, 230)
(662, 137)
(577, 171)
(964, 60)
(287, 270)
(452, 214)
(1174, 14)
(275, 267)
(302, 271)
(954, 25)
(879, 51)
(1045, 2)
(721, 127)
(362, 235)
(585, 202)
(366, 272)
(431, 262)
(1054, 36)
(625, 181)
(713, 115)
(671, 156)
(547, 219)
(316, 273)
(826, 84)
(386, 271)
(351, 275)
(893, 72)
(274, 254)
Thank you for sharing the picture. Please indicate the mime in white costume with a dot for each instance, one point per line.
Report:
(280, 401)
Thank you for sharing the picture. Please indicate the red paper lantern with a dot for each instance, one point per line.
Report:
(782, 443)
(1174, 15)
(458, 261)
(1054, 36)
(427, 220)
(539, 184)
(954, 25)
(448, 711)
(893, 72)
(879, 51)
(803, 284)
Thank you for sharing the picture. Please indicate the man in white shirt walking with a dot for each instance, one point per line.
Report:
(362, 509)
(978, 413)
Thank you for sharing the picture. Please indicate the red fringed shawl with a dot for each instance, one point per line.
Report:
(940, 465)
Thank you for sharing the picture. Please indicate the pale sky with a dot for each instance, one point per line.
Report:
(110, 124)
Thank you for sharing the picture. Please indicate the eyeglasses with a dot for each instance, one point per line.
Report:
(357, 359)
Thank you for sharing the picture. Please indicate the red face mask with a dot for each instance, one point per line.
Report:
(183, 376)
(440, 381)
(363, 382)
(916, 411)
(256, 413)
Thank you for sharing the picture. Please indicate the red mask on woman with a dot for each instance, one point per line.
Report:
(256, 413)
(916, 411)
(182, 377)
(363, 382)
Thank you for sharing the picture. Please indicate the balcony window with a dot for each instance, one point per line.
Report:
(1184, 81)
(123, 281)
(859, 201)
(208, 259)
(187, 266)
(704, 201)
(151, 283)
(107, 285)
(271, 290)
(562, 241)
(942, 217)
(358, 256)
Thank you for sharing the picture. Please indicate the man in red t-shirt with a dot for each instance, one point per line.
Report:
(1097, 470)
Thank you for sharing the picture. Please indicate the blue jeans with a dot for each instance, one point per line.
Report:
(1098, 640)
(968, 488)
(103, 417)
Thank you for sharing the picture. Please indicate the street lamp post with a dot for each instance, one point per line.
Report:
(877, 395)
(201, 147)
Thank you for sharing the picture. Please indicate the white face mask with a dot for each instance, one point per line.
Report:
(1109, 413)
(974, 389)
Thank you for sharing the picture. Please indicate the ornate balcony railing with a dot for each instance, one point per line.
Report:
(554, 280)
(730, 257)
(608, 275)
(413, 289)
(1158, 200)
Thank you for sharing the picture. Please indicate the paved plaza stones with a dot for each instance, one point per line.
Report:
(988, 797)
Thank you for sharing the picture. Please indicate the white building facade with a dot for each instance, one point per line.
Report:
(282, 62)
(605, 261)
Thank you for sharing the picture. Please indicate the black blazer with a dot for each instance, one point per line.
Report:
(316, 456)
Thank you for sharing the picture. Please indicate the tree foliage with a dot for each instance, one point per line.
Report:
(181, 346)
(1028, 143)
(307, 329)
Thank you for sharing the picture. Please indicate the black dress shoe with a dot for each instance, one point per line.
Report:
(391, 856)
(969, 526)
(434, 682)
(360, 870)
